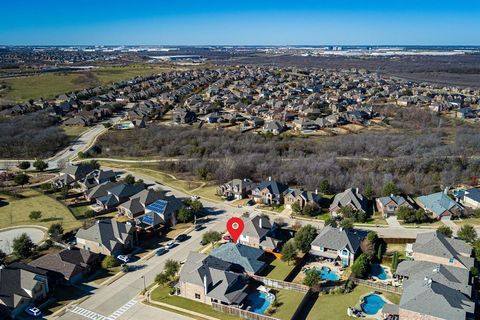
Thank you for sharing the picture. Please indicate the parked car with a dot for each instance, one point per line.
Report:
(161, 250)
(250, 203)
(181, 237)
(123, 258)
(170, 244)
(199, 227)
(33, 311)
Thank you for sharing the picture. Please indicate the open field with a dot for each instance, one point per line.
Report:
(289, 301)
(16, 211)
(50, 85)
(73, 132)
(334, 306)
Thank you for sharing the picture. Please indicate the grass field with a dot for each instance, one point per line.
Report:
(73, 132)
(16, 211)
(289, 301)
(161, 294)
(279, 269)
(335, 306)
(53, 84)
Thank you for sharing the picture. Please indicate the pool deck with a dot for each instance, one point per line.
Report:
(388, 271)
(378, 315)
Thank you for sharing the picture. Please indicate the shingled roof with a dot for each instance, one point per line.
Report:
(247, 258)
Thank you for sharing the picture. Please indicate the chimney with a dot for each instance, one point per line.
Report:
(260, 224)
(205, 283)
(356, 190)
(316, 191)
(270, 178)
(391, 195)
(446, 190)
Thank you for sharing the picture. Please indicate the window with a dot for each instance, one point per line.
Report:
(344, 252)
(197, 296)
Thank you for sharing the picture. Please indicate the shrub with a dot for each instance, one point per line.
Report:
(23, 247)
(304, 237)
(110, 262)
(312, 278)
(361, 266)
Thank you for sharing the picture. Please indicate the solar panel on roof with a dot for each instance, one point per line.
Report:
(148, 219)
(158, 206)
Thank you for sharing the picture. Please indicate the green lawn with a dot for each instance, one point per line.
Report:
(472, 221)
(16, 211)
(279, 269)
(79, 212)
(161, 294)
(289, 302)
(335, 306)
(53, 84)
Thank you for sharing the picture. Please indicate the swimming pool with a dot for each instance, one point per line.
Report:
(326, 274)
(258, 302)
(377, 270)
(372, 303)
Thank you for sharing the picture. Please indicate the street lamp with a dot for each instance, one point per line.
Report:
(144, 285)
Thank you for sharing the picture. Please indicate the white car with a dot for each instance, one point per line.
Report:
(123, 258)
(33, 311)
(195, 197)
(170, 244)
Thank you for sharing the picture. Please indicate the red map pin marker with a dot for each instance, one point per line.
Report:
(235, 228)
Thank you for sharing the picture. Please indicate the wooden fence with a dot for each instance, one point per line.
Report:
(398, 240)
(240, 313)
(279, 284)
(377, 285)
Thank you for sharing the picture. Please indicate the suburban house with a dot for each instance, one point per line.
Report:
(72, 174)
(107, 237)
(245, 259)
(236, 189)
(269, 192)
(337, 244)
(208, 279)
(350, 197)
(258, 232)
(118, 195)
(70, 265)
(440, 205)
(95, 178)
(162, 212)
(301, 197)
(428, 299)
(437, 248)
(137, 203)
(469, 198)
(453, 277)
(99, 191)
(389, 205)
(20, 286)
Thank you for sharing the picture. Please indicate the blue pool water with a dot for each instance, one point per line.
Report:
(327, 274)
(378, 271)
(372, 303)
(258, 302)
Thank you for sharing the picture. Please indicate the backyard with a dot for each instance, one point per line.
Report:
(334, 306)
(277, 269)
(16, 211)
(289, 301)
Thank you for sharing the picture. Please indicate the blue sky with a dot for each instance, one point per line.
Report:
(244, 22)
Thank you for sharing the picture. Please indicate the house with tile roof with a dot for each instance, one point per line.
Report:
(244, 258)
(338, 244)
(208, 279)
(440, 205)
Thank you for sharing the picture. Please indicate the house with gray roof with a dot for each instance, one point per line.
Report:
(137, 203)
(161, 212)
(338, 244)
(100, 190)
(389, 205)
(20, 286)
(244, 258)
(96, 177)
(350, 197)
(469, 198)
(301, 197)
(437, 248)
(107, 237)
(236, 188)
(72, 174)
(118, 195)
(269, 192)
(428, 299)
(208, 279)
(453, 277)
(440, 205)
(258, 232)
(71, 265)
